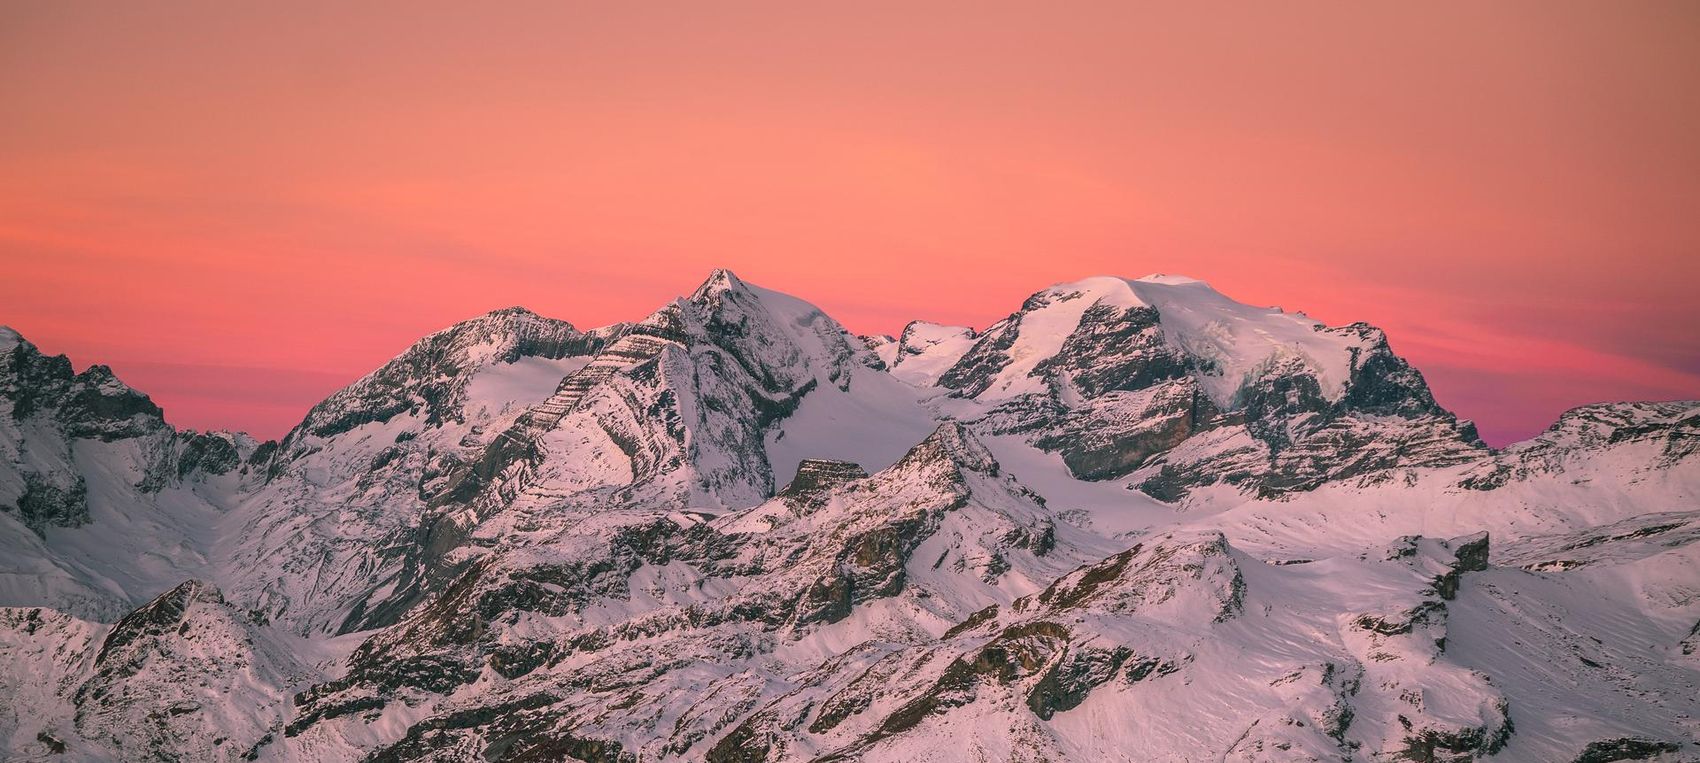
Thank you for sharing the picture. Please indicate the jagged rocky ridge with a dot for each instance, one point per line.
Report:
(1133, 521)
(1166, 379)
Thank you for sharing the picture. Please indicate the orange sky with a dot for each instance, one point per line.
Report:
(243, 206)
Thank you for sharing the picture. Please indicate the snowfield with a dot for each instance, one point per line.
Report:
(1134, 521)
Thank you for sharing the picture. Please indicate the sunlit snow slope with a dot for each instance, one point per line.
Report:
(1135, 520)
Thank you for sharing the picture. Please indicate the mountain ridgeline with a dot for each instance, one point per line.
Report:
(1134, 520)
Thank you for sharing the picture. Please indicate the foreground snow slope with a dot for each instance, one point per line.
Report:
(1135, 520)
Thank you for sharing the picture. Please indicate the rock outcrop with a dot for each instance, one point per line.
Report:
(1133, 521)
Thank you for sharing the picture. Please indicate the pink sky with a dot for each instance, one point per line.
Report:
(242, 208)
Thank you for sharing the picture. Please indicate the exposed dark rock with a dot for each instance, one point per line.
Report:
(1431, 745)
(207, 453)
(92, 404)
(1471, 556)
(524, 730)
(974, 372)
(1140, 668)
(1069, 680)
(53, 744)
(328, 710)
(100, 406)
(1624, 748)
(430, 376)
(33, 381)
(871, 566)
(1117, 350)
(44, 504)
(1403, 621)
(157, 617)
(512, 661)
(818, 477)
(744, 745)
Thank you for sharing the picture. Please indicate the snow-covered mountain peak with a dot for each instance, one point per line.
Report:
(924, 333)
(725, 296)
(926, 350)
(1228, 342)
(719, 280)
(94, 403)
(773, 333)
(954, 445)
(1116, 374)
(1236, 338)
(1136, 520)
(500, 335)
(437, 374)
(812, 389)
(1172, 280)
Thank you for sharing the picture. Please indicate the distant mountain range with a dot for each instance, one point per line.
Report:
(1135, 520)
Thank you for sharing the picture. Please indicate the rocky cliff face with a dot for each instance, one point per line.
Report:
(50, 407)
(678, 412)
(345, 504)
(183, 677)
(1654, 436)
(1135, 520)
(430, 380)
(1165, 379)
(98, 495)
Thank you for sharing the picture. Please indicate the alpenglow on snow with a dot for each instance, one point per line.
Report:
(1135, 520)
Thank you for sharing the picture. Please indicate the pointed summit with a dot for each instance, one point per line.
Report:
(194, 667)
(720, 281)
(952, 444)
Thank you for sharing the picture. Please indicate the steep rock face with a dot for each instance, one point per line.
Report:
(1651, 438)
(709, 402)
(902, 553)
(183, 677)
(1170, 382)
(1299, 439)
(213, 454)
(44, 409)
(93, 403)
(543, 544)
(341, 507)
(816, 480)
(884, 348)
(1137, 637)
(430, 378)
(98, 494)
